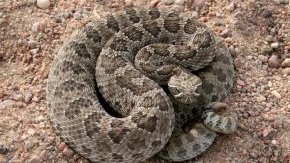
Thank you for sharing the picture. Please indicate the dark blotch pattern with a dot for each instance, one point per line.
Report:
(181, 153)
(171, 22)
(117, 157)
(229, 124)
(93, 34)
(136, 89)
(111, 64)
(137, 156)
(116, 123)
(205, 39)
(152, 28)
(69, 86)
(196, 147)
(119, 44)
(132, 15)
(144, 122)
(184, 55)
(154, 13)
(67, 65)
(117, 135)
(163, 106)
(133, 33)
(161, 50)
(75, 106)
(135, 143)
(190, 26)
(156, 143)
(91, 124)
(81, 50)
(222, 77)
(207, 87)
(112, 23)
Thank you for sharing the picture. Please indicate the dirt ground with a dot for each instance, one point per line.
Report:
(255, 31)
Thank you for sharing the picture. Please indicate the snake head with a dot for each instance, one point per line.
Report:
(183, 86)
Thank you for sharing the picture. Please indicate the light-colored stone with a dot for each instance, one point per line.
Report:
(276, 94)
(44, 4)
(6, 104)
(231, 7)
(275, 45)
(266, 49)
(286, 71)
(286, 62)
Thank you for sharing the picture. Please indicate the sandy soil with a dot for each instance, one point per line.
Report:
(255, 31)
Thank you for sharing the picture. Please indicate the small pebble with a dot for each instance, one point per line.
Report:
(154, 3)
(44, 4)
(179, 2)
(200, 3)
(266, 49)
(266, 13)
(238, 62)
(269, 38)
(276, 94)
(274, 142)
(167, 2)
(275, 45)
(226, 33)
(6, 104)
(28, 97)
(286, 62)
(68, 152)
(274, 61)
(261, 98)
(231, 7)
(3, 150)
(35, 159)
(286, 71)
(129, 2)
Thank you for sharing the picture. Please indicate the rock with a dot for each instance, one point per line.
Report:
(266, 49)
(266, 13)
(199, 3)
(195, 14)
(281, 1)
(179, 2)
(154, 3)
(274, 61)
(275, 45)
(35, 159)
(44, 4)
(276, 94)
(286, 62)
(238, 63)
(44, 155)
(3, 150)
(241, 82)
(68, 152)
(28, 97)
(226, 33)
(261, 98)
(286, 71)
(129, 2)
(231, 7)
(17, 97)
(167, 2)
(61, 146)
(269, 38)
(7, 104)
(263, 58)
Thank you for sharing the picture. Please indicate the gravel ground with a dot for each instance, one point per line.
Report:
(256, 32)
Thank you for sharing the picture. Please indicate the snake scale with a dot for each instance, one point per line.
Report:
(126, 87)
